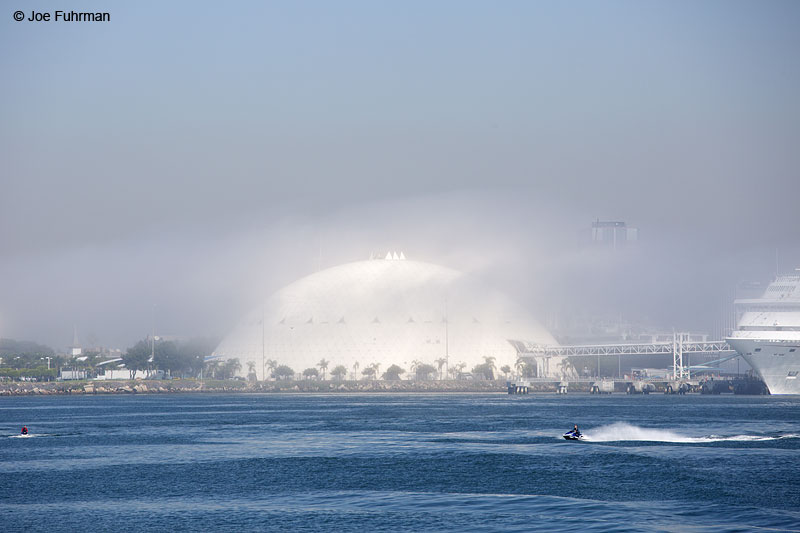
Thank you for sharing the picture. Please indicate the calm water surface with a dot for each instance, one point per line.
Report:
(411, 462)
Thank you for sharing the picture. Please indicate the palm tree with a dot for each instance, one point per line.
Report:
(323, 365)
(355, 371)
(459, 367)
(565, 366)
(440, 363)
(377, 368)
(414, 365)
(213, 366)
(505, 369)
(272, 364)
(251, 370)
(231, 368)
(489, 360)
(519, 366)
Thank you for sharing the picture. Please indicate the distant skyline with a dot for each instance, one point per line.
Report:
(199, 157)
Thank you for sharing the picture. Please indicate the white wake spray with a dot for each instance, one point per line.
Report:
(621, 431)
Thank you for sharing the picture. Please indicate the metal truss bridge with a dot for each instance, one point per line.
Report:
(540, 354)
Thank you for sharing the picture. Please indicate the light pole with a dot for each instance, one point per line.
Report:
(446, 336)
(263, 326)
(152, 342)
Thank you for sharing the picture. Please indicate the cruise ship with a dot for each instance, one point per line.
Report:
(768, 334)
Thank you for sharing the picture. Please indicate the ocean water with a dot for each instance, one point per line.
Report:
(413, 462)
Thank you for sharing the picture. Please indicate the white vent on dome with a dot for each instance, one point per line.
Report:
(388, 256)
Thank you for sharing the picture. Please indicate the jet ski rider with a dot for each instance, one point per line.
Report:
(24, 430)
(576, 431)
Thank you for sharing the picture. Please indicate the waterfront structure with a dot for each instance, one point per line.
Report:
(381, 312)
(72, 373)
(767, 334)
(680, 345)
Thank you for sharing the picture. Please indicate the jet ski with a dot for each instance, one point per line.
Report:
(572, 435)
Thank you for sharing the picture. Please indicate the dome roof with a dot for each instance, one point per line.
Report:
(388, 312)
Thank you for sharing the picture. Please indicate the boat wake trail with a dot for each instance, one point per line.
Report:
(627, 432)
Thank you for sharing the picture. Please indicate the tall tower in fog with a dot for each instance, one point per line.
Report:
(76, 347)
(613, 234)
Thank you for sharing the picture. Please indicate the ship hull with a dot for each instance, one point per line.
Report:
(776, 361)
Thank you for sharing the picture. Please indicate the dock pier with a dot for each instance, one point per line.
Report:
(716, 385)
(682, 379)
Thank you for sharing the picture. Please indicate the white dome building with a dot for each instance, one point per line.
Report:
(386, 311)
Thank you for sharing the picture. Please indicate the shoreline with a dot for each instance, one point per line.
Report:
(186, 386)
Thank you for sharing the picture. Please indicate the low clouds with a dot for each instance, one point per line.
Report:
(199, 174)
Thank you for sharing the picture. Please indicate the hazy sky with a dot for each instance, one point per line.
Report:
(197, 156)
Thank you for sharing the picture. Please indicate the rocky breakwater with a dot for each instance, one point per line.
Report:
(379, 386)
(15, 388)
(12, 388)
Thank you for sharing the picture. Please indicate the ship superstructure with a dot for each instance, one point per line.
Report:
(767, 334)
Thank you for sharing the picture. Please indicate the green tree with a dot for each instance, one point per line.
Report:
(192, 354)
(566, 368)
(520, 366)
(27, 351)
(339, 372)
(283, 372)
(167, 357)
(213, 367)
(506, 370)
(484, 370)
(310, 373)
(230, 368)
(137, 357)
(393, 373)
(369, 372)
(414, 365)
(424, 371)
